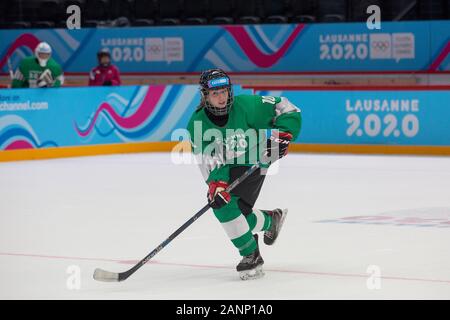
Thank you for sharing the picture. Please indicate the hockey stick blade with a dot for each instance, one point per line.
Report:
(105, 276)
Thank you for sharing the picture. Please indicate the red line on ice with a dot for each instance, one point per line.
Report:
(132, 262)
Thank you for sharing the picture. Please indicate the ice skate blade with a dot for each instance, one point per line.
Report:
(252, 274)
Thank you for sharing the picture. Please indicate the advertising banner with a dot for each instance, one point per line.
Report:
(284, 48)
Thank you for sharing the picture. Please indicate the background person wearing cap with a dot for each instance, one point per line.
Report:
(38, 71)
(105, 74)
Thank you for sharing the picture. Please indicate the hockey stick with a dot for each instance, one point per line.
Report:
(103, 275)
(10, 69)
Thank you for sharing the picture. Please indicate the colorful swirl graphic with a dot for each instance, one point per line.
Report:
(440, 58)
(246, 48)
(150, 112)
(16, 133)
(26, 39)
(251, 50)
(65, 46)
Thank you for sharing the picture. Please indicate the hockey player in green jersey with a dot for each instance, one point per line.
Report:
(39, 71)
(228, 135)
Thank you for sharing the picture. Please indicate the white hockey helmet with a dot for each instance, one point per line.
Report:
(43, 47)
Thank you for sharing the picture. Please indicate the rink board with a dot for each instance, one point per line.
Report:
(50, 123)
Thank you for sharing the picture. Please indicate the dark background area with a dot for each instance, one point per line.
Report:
(122, 13)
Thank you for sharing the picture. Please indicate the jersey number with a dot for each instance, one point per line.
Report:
(268, 99)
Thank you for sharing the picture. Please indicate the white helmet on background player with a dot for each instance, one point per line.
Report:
(43, 52)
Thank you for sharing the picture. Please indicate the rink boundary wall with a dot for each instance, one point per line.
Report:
(168, 146)
(130, 119)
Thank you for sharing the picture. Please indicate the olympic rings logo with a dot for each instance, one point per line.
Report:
(155, 48)
(380, 45)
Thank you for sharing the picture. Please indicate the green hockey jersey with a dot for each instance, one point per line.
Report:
(29, 71)
(243, 139)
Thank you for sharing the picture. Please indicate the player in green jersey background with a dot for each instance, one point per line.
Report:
(38, 71)
(228, 134)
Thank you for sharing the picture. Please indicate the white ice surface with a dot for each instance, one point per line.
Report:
(110, 211)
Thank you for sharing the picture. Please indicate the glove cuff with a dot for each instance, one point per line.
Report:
(219, 183)
(285, 135)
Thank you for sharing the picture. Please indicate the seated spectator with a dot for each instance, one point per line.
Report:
(105, 74)
(38, 71)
